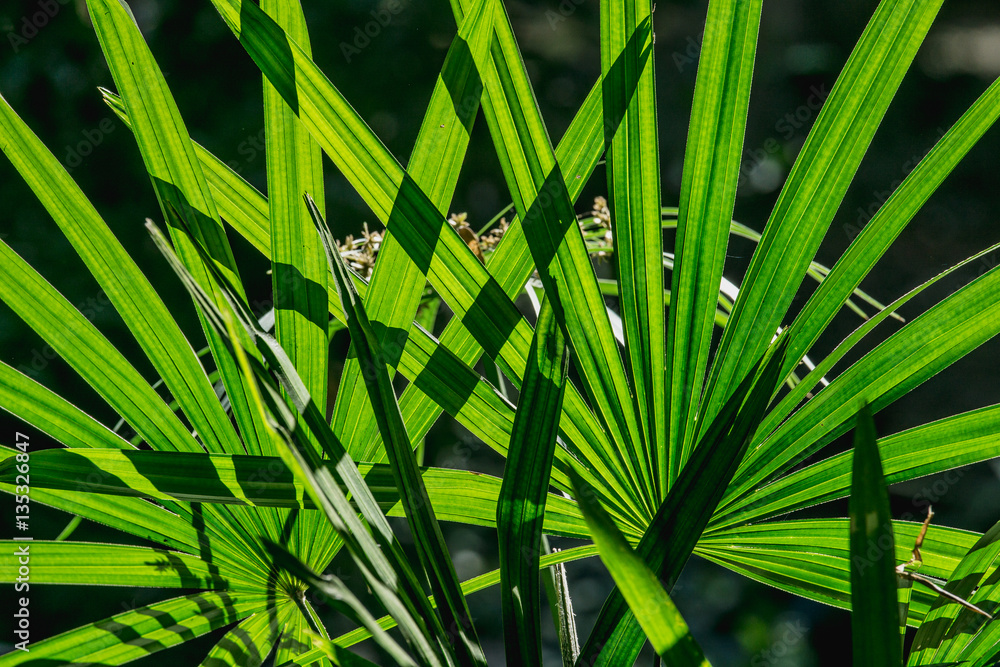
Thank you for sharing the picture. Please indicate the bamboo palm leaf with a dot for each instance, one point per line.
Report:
(792, 400)
(440, 377)
(730, 510)
(346, 603)
(455, 272)
(64, 422)
(511, 265)
(297, 637)
(470, 586)
(655, 611)
(142, 519)
(457, 495)
(298, 270)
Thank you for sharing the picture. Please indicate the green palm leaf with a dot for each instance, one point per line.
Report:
(90, 354)
(924, 450)
(83, 563)
(558, 250)
(924, 347)
(952, 631)
(712, 163)
(431, 548)
(874, 611)
(812, 559)
(633, 166)
(248, 643)
(889, 221)
(816, 185)
(112, 641)
(299, 276)
(397, 282)
(521, 506)
(673, 533)
(120, 279)
(174, 171)
(644, 593)
(378, 552)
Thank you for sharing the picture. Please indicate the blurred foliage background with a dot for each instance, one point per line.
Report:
(51, 66)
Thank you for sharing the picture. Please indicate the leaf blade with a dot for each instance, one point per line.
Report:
(712, 162)
(633, 178)
(874, 612)
(521, 505)
(822, 172)
(431, 547)
(655, 611)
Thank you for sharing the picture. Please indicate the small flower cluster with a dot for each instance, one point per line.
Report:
(360, 253)
(491, 239)
(596, 227)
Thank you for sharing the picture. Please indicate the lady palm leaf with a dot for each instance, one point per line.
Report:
(708, 194)
(433, 552)
(822, 172)
(521, 507)
(299, 276)
(173, 169)
(964, 633)
(875, 621)
(119, 277)
(634, 188)
(397, 282)
(639, 585)
(456, 495)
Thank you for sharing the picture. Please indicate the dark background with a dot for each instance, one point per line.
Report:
(51, 76)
